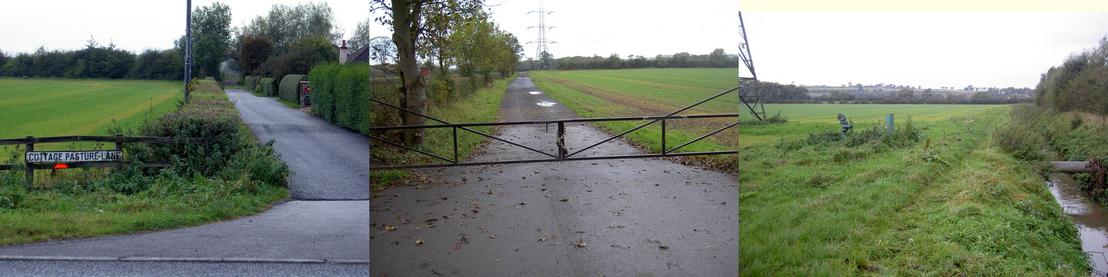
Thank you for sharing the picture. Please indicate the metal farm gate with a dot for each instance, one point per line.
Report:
(750, 100)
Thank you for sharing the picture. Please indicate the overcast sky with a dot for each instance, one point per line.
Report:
(806, 42)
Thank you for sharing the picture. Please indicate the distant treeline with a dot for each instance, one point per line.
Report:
(718, 58)
(94, 61)
(1079, 84)
(777, 93)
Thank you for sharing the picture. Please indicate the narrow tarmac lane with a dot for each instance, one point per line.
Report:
(633, 217)
(327, 162)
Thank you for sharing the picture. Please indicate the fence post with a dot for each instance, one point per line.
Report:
(30, 171)
(561, 140)
(889, 123)
(455, 144)
(119, 147)
(664, 152)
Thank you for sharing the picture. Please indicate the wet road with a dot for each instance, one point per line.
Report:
(327, 162)
(1091, 219)
(634, 217)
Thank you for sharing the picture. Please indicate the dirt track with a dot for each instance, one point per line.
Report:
(634, 217)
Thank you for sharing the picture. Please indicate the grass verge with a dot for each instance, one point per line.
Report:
(482, 105)
(953, 205)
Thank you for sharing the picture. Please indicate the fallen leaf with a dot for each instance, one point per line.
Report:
(418, 242)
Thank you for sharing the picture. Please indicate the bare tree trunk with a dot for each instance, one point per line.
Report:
(406, 17)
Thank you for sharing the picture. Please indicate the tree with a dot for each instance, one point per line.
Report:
(254, 50)
(284, 25)
(212, 28)
(300, 58)
(408, 23)
(361, 36)
(3, 62)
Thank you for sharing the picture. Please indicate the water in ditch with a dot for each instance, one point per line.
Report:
(1091, 219)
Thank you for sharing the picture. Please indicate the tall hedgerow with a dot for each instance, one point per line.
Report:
(352, 98)
(322, 79)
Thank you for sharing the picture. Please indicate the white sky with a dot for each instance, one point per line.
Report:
(933, 48)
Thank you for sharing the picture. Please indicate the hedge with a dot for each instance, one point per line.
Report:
(340, 94)
(352, 98)
(250, 82)
(266, 87)
(289, 87)
(323, 91)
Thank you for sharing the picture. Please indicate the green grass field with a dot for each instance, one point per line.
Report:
(60, 107)
(637, 92)
(807, 118)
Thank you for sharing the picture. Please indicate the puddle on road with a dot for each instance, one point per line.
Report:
(546, 104)
(534, 93)
(1090, 218)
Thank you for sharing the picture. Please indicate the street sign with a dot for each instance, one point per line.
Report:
(74, 156)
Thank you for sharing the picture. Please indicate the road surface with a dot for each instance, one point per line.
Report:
(328, 163)
(633, 217)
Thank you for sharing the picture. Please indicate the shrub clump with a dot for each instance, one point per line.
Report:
(289, 87)
(250, 82)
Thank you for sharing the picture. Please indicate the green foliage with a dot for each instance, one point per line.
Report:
(285, 24)
(226, 176)
(253, 52)
(717, 58)
(289, 87)
(1015, 136)
(209, 116)
(322, 79)
(266, 87)
(250, 82)
(158, 65)
(94, 61)
(211, 28)
(352, 98)
(301, 56)
(1079, 84)
(962, 209)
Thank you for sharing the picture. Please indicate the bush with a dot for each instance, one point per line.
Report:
(1019, 141)
(266, 87)
(289, 87)
(208, 115)
(250, 82)
(322, 80)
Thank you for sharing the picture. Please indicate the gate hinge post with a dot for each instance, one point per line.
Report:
(561, 140)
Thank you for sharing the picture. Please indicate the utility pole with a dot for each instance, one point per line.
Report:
(751, 99)
(541, 49)
(188, 47)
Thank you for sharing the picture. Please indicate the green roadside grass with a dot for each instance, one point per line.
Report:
(81, 203)
(482, 106)
(953, 204)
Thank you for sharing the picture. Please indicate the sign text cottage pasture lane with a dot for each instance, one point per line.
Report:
(74, 156)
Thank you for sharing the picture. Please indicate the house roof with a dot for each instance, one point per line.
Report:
(359, 56)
